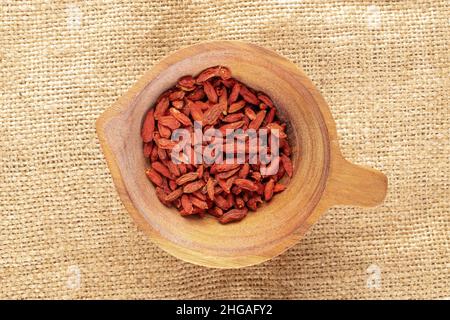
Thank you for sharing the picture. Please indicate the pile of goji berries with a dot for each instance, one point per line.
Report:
(225, 191)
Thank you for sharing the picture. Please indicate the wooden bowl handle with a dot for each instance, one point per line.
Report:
(352, 184)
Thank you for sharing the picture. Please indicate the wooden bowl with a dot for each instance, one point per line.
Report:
(322, 177)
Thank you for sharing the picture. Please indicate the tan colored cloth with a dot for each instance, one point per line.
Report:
(383, 67)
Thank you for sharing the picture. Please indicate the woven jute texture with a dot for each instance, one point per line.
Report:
(383, 67)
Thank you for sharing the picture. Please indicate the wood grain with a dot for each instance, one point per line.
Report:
(322, 177)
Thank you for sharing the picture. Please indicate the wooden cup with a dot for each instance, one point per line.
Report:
(322, 177)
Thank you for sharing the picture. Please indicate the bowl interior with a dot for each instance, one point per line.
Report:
(268, 229)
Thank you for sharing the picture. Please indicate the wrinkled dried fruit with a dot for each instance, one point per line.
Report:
(199, 203)
(200, 171)
(246, 184)
(197, 94)
(161, 107)
(181, 117)
(162, 196)
(287, 164)
(210, 92)
(250, 113)
(245, 169)
(178, 104)
(256, 123)
(154, 155)
(212, 114)
(275, 126)
(279, 187)
(162, 154)
(186, 203)
(148, 148)
(174, 195)
(162, 169)
(221, 202)
(253, 202)
(248, 95)
(225, 167)
(227, 174)
(193, 186)
(219, 71)
(196, 112)
(215, 211)
(232, 126)
(268, 190)
(164, 131)
(233, 117)
(188, 177)
(172, 185)
(148, 127)
(154, 177)
(228, 184)
(236, 106)
(173, 168)
(269, 117)
(169, 121)
(234, 92)
(265, 99)
(210, 188)
(164, 143)
(233, 215)
(186, 83)
(177, 95)
(240, 203)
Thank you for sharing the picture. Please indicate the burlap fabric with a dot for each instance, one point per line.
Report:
(383, 66)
